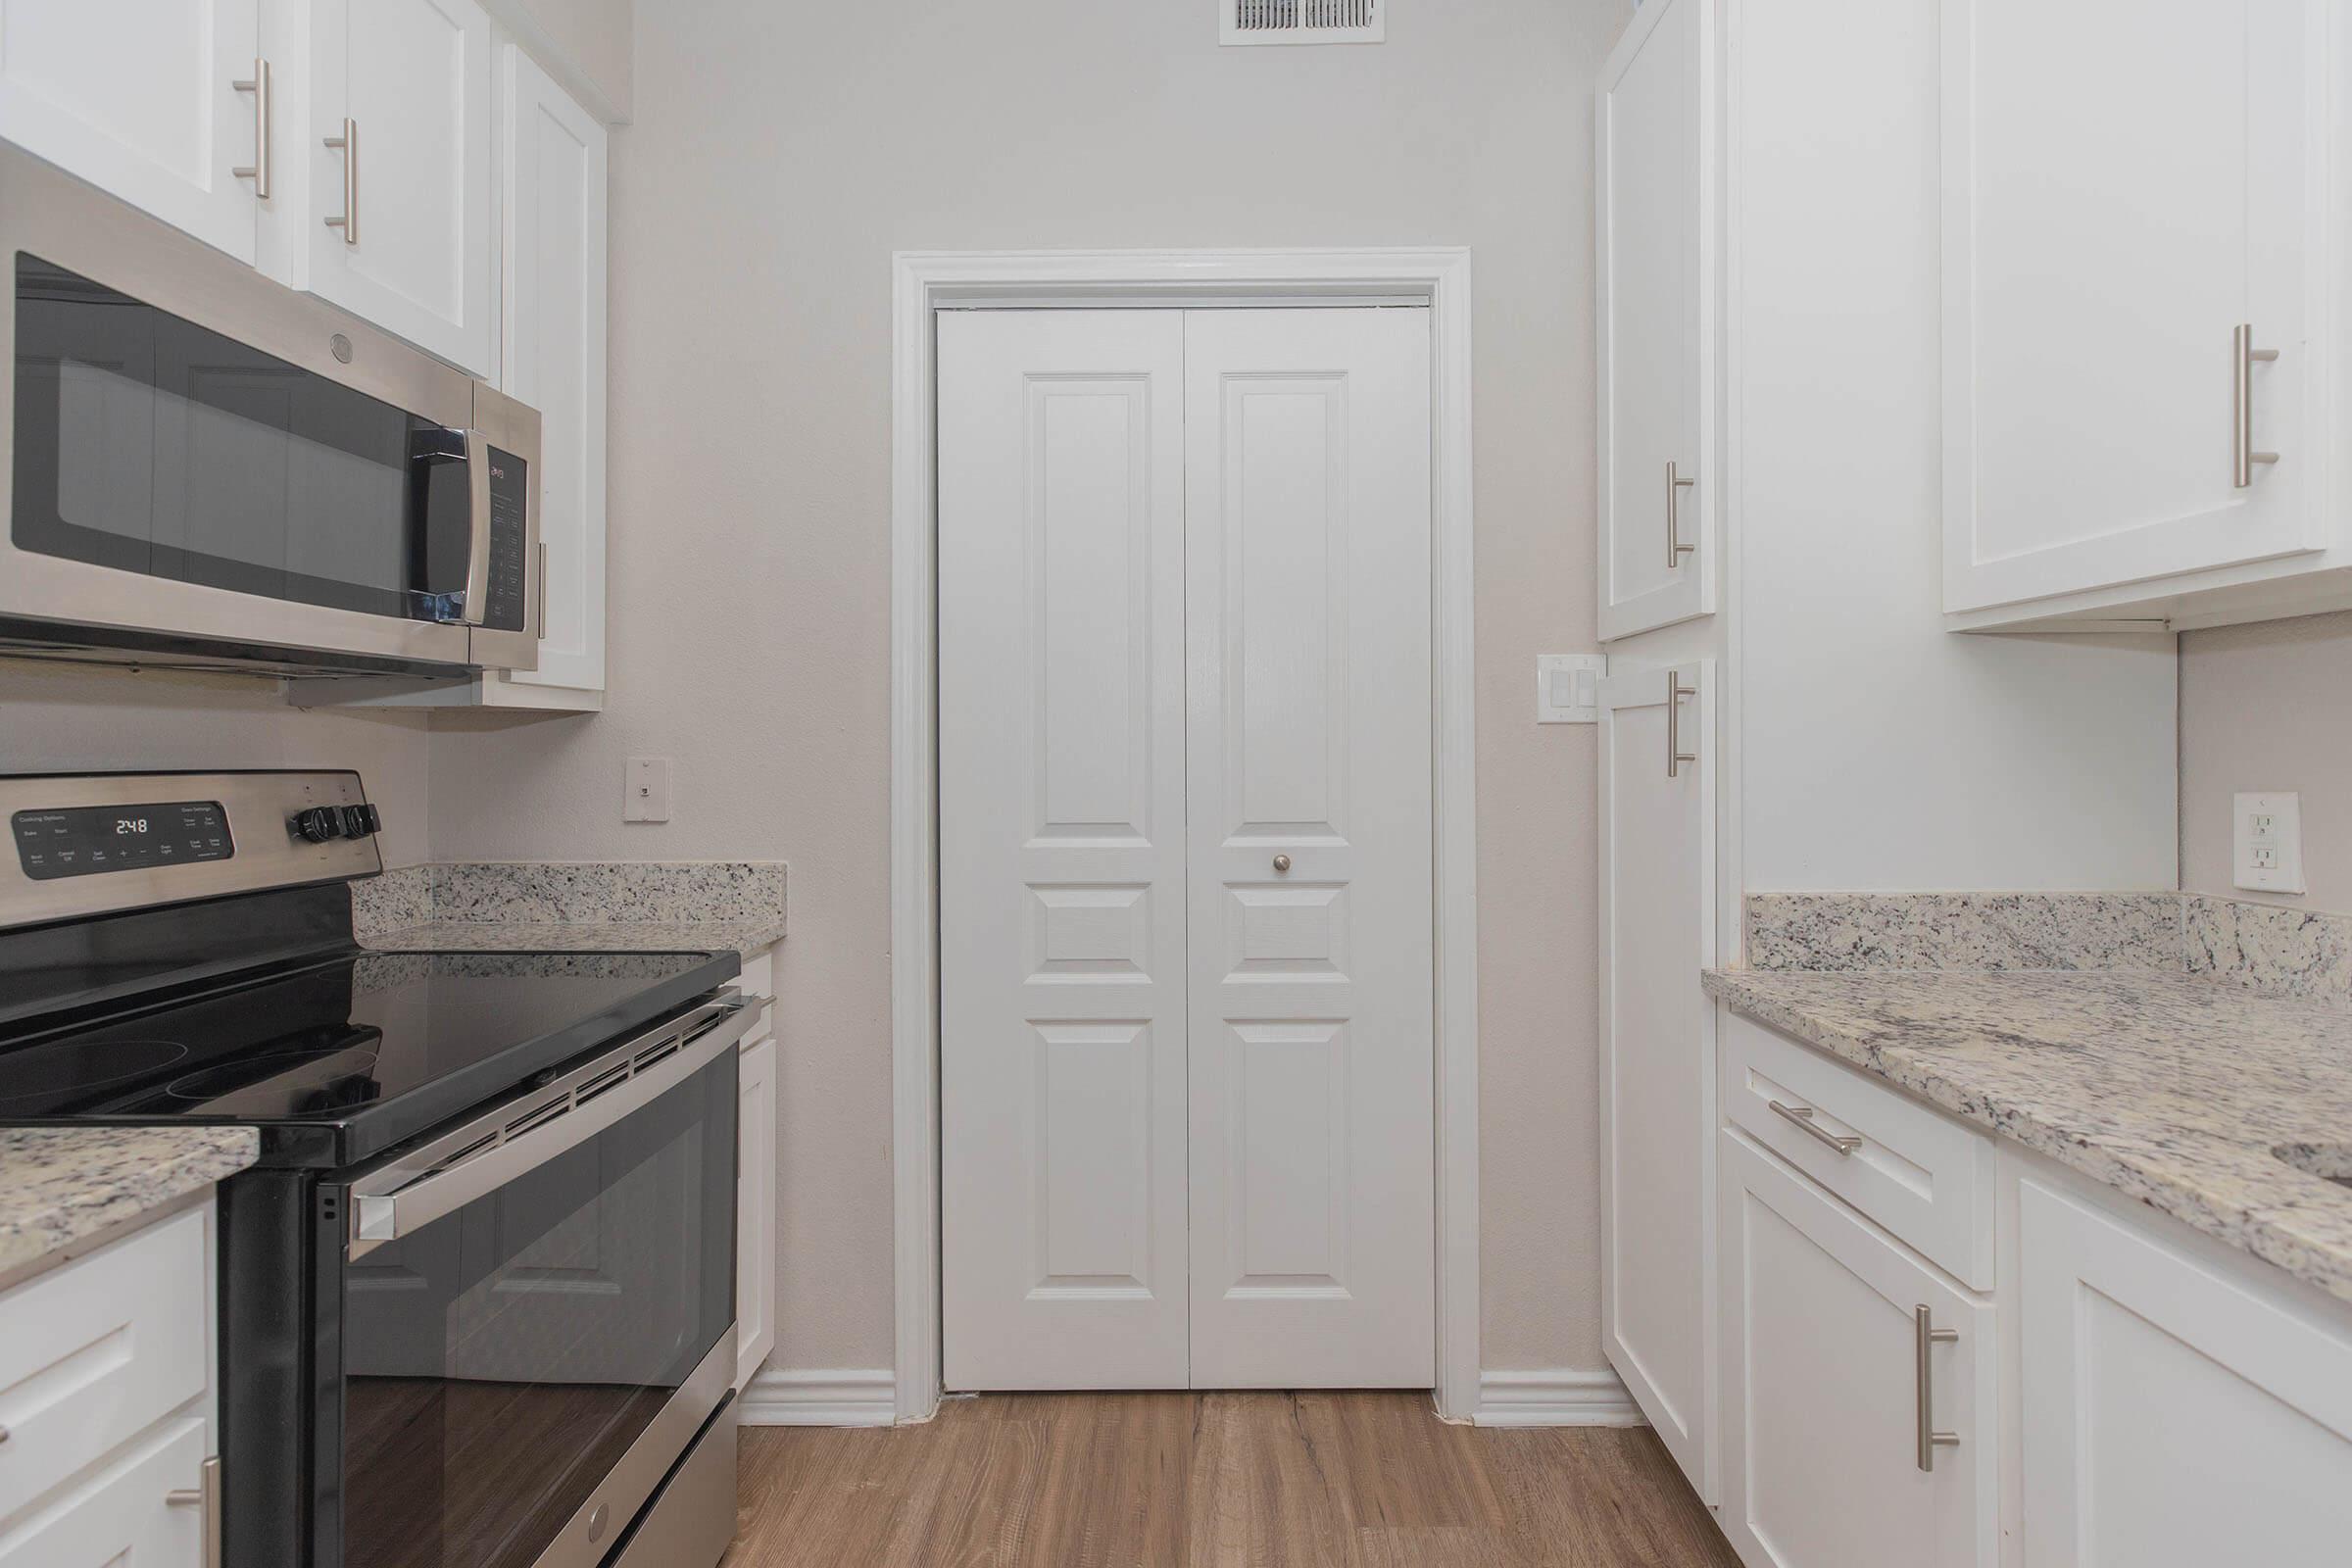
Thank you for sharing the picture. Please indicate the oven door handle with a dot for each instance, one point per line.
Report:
(408, 1193)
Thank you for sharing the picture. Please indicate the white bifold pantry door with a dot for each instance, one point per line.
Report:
(1186, 1031)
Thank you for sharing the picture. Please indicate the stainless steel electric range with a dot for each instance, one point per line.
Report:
(478, 1296)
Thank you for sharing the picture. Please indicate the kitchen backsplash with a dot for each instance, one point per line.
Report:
(646, 892)
(1855, 931)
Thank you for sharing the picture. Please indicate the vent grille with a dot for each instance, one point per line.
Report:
(1247, 22)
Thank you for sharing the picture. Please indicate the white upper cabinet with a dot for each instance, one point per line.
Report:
(553, 184)
(401, 220)
(1659, 542)
(139, 97)
(2124, 188)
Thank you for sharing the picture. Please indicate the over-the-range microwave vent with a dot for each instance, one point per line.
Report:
(1245, 22)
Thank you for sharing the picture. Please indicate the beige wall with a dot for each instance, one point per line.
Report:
(2269, 706)
(66, 717)
(769, 173)
(586, 43)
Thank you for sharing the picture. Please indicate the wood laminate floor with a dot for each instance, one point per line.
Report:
(1214, 1481)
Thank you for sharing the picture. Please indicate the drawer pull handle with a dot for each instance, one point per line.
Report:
(1924, 1337)
(205, 1497)
(1802, 1116)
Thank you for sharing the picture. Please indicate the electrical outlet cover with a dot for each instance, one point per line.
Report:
(2267, 841)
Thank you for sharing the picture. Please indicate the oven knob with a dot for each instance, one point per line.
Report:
(317, 824)
(359, 821)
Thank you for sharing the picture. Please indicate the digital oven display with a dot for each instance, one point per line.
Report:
(88, 840)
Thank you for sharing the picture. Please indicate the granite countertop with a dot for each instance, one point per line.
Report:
(746, 937)
(2170, 1088)
(64, 1185)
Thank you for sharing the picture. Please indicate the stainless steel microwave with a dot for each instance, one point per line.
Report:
(207, 468)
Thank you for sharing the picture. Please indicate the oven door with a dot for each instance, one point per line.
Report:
(538, 1314)
(202, 462)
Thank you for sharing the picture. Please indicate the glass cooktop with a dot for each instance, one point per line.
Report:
(339, 1061)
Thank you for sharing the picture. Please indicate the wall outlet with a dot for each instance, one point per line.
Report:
(645, 790)
(2268, 834)
(1568, 688)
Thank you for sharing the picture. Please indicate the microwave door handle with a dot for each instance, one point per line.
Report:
(477, 554)
(403, 1197)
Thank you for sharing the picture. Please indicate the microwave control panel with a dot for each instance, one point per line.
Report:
(509, 514)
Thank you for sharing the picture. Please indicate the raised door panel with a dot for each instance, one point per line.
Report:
(1658, 1067)
(553, 359)
(402, 222)
(1061, 849)
(2169, 1416)
(139, 97)
(1654, 281)
(2124, 187)
(121, 1517)
(1307, 551)
(1822, 1389)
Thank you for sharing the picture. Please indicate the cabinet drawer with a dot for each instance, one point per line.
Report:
(121, 1518)
(98, 1350)
(1923, 1176)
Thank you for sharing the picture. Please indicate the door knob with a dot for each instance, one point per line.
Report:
(1282, 865)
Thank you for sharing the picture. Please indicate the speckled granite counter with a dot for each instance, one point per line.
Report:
(746, 937)
(587, 906)
(61, 1185)
(2173, 1090)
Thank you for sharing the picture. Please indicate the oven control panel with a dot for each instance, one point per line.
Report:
(93, 840)
(103, 843)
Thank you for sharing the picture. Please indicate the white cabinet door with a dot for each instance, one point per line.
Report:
(122, 1516)
(554, 360)
(1824, 1398)
(1657, 1050)
(1061, 849)
(401, 226)
(2170, 1417)
(1314, 1037)
(756, 1211)
(138, 98)
(1653, 312)
(2124, 188)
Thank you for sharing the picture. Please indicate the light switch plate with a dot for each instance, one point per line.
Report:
(2267, 833)
(1568, 688)
(645, 790)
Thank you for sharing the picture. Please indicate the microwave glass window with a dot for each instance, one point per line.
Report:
(149, 444)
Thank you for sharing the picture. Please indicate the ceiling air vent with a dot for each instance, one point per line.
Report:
(1301, 21)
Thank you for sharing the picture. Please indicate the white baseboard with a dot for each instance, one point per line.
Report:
(829, 1397)
(1557, 1396)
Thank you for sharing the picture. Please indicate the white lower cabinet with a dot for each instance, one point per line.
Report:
(106, 1398)
(124, 1517)
(2170, 1415)
(755, 1181)
(1824, 1395)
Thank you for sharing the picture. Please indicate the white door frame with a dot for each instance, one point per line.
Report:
(925, 282)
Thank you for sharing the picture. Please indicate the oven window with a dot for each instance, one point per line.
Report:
(500, 1360)
(149, 444)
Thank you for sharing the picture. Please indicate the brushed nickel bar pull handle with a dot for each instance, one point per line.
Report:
(1925, 1336)
(2243, 354)
(1676, 550)
(1675, 756)
(206, 1496)
(348, 144)
(1803, 1117)
(258, 171)
(539, 593)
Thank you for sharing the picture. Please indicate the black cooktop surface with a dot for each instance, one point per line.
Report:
(342, 1059)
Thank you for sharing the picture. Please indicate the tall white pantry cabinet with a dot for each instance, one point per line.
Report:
(1785, 190)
